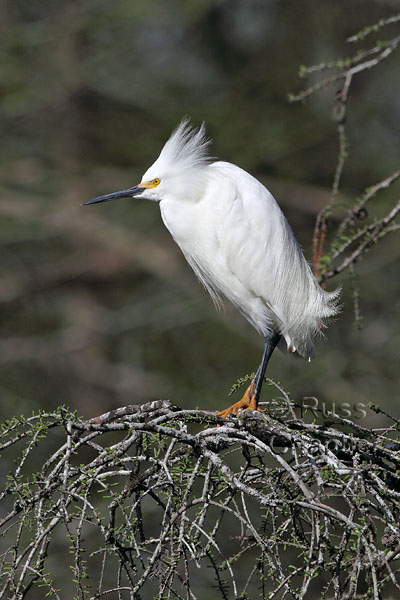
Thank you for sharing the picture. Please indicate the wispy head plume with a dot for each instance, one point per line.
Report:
(187, 148)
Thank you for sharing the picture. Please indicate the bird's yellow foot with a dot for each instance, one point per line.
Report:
(247, 402)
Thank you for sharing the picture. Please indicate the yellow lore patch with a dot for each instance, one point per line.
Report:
(150, 184)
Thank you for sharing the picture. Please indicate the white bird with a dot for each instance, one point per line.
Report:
(238, 242)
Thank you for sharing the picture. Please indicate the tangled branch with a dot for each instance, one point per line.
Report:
(154, 500)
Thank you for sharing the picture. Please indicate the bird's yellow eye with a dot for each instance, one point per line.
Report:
(156, 181)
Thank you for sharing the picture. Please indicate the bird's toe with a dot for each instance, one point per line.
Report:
(247, 402)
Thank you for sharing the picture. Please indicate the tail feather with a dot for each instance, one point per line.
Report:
(300, 336)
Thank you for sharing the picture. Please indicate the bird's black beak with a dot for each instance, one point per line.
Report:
(128, 193)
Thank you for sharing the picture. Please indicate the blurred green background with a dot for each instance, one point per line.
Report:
(99, 308)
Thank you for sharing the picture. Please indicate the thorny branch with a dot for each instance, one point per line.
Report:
(274, 506)
(349, 236)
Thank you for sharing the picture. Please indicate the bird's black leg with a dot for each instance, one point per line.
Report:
(270, 342)
(251, 396)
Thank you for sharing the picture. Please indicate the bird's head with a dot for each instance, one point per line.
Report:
(178, 173)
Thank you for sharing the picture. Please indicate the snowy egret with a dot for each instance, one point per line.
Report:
(238, 242)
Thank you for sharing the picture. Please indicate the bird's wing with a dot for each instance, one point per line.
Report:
(254, 234)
